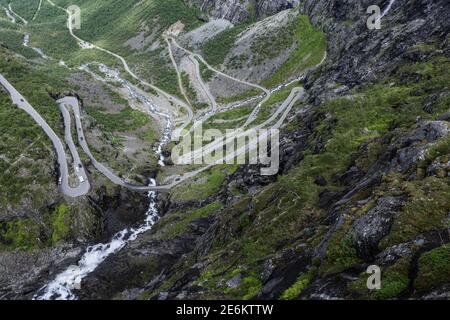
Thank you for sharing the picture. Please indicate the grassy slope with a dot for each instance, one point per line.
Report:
(26, 9)
(310, 52)
(26, 162)
(26, 153)
(309, 43)
(370, 115)
(50, 34)
(122, 20)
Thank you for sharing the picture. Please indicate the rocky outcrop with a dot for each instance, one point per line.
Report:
(265, 8)
(357, 54)
(238, 11)
(375, 225)
(234, 11)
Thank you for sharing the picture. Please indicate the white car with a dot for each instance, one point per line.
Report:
(81, 179)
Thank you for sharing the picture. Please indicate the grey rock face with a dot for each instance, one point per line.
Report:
(265, 8)
(238, 11)
(233, 10)
(409, 149)
(375, 225)
(357, 54)
(442, 293)
(235, 282)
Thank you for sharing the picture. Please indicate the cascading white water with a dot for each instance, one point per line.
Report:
(26, 42)
(387, 9)
(9, 15)
(62, 287)
(114, 75)
(66, 282)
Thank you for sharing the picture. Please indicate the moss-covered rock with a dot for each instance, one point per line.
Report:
(433, 269)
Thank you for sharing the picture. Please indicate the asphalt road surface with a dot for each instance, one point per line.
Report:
(83, 187)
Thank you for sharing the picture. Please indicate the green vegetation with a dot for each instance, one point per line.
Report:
(60, 223)
(251, 286)
(122, 20)
(22, 234)
(434, 268)
(176, 224)
(126, 120)
(341, 253)
(394, 281)
(26, 9)
(158, 68)
(37, 232)
(247, 287)
(310, 52)
(203, 186)
(23, 147)
(149, 136)
(269, 44)
(426, 209)
(206, 73)
(25, 159)
(35, 84)
(216, 49)
(12, 38)
(297, 288)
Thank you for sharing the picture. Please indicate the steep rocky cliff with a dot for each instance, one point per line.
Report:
(357, 54)
(238, 11)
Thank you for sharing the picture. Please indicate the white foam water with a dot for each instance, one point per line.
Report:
(387, 9)
(65, 283)
(62, 288)
(26, 42)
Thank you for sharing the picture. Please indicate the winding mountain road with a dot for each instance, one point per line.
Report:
(88, 45)
(203, 85)
(9, 15)
(83, 187)
(265, 97)
(68, 104)
(266, 91)
(296, 94)
(37, 10)
(25, 22)
(72, 103)
(177, 70)
(83, 182)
